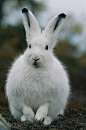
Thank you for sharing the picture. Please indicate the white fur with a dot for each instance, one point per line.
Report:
(37, 93)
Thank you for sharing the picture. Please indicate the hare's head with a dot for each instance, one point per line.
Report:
(41, 43)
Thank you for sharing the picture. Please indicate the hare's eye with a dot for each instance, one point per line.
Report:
(29, 45)
(46, 47)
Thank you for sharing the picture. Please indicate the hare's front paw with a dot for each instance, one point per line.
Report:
(27, 118)
(28, 114)
(23, 118)
(45, 120)
(41, 115)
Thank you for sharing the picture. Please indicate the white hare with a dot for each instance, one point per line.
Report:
(37, 85)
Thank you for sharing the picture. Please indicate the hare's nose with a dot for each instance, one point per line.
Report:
(36, 59)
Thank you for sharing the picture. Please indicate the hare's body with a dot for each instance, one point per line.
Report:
(37, 89)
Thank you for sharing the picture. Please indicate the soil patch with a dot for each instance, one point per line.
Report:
(73, 119)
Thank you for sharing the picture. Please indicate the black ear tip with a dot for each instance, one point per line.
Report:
(24, 10)
(62, 15)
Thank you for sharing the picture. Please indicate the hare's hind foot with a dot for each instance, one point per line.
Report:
(16, 113)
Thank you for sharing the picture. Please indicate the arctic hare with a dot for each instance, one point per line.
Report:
(37, 84)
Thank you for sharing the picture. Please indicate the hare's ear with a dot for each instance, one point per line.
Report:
(31, 25)
(53, 28)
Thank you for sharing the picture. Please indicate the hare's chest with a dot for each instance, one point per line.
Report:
(32, 78)
(37, 89)
(35, 84)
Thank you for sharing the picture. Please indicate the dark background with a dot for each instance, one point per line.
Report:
(12, 43)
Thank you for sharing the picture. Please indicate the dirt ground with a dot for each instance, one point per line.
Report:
(73, 119)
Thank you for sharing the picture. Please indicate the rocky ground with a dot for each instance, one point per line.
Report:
(74, 119)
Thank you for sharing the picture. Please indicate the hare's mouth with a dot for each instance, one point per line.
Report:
(36, 65)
